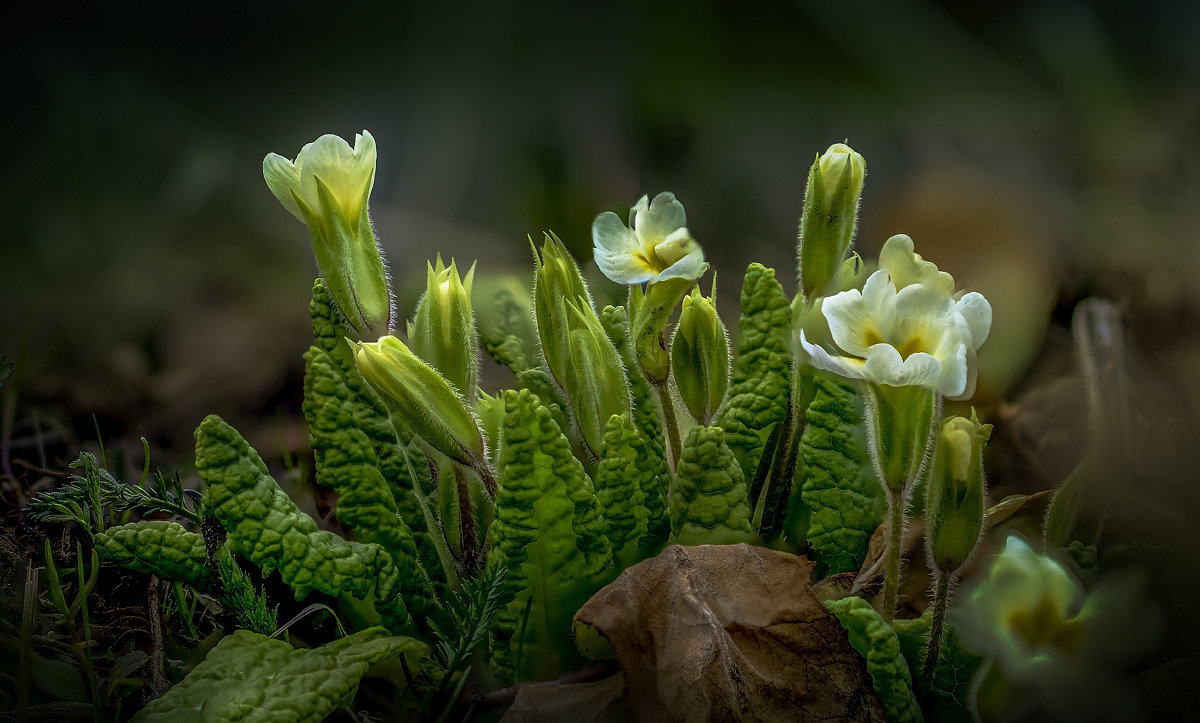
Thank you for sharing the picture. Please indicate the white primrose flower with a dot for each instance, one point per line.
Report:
(656, 244)
(906, 327)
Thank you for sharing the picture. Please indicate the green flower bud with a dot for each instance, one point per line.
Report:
(649, 312)
(580, 355)
(835, 185)
(557, 277)
(424, 401)
(328, 187)
(700, 357)
(442, 331)
(954, 506)
(594, 379)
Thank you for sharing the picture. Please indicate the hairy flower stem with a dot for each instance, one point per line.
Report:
(472, 557)
(891, 583)
(669, 421)
(941, 598)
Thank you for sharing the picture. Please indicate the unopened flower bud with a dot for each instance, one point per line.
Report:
(328, 187)
(557, 277)
(835, 185)
(954, 507)
(442, 331)
(700, 357)
(422, 399)
(580, 355)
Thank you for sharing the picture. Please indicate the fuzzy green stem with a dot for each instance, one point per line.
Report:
(669, 421)
(891, 583)
(941, 598)
(433, 525)
(472, 560)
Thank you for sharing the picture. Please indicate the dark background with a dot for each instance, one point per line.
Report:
(1040, 151)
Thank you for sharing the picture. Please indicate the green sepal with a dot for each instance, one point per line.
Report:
(762, 370)
(841, 491)
(708, 505)
(876, 641)
(549, 534)
(264, 526)
(251, 678)
(156, 547)
(902, 423)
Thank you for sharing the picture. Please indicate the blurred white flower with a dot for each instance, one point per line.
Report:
(656, 244)
(906, 327)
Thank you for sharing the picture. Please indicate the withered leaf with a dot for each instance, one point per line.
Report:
(729, 633)
(597, 701)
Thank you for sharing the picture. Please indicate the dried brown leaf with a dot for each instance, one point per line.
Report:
(729, 632)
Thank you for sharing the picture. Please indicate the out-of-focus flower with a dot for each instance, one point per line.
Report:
(906, 328)
(328, 187)
(1043, 636)
(655, 246)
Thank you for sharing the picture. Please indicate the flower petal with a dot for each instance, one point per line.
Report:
(955, 373)
(821, 359)
(850, 321)
(659, 221)
(885, 366)
(616, 251)
(879, 293)
(921, 313)
(907, 267)
(283, 179)
(977, 312)
(682, 255)
(349, 173)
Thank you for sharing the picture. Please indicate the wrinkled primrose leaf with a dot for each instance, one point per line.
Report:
(249, 678)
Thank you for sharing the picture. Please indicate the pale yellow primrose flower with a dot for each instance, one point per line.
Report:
(656, 244)
(348, 173)
(906, 328)
(327, 188)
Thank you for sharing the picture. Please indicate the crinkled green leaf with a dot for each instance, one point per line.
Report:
(356, 448)
(709, 504)
(265, 526)
(620, 479)
(351, 439)
(647, 417)
(249, 678)
(952, 677)
(549, 535)
(156, 547)
(844, 498)
(762, 370)
(539, 382)
(876, 641)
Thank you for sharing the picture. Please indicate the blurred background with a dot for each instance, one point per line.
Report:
(1042, 152)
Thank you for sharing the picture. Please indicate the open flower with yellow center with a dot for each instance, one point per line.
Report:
(656, 245)
(906, 327)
